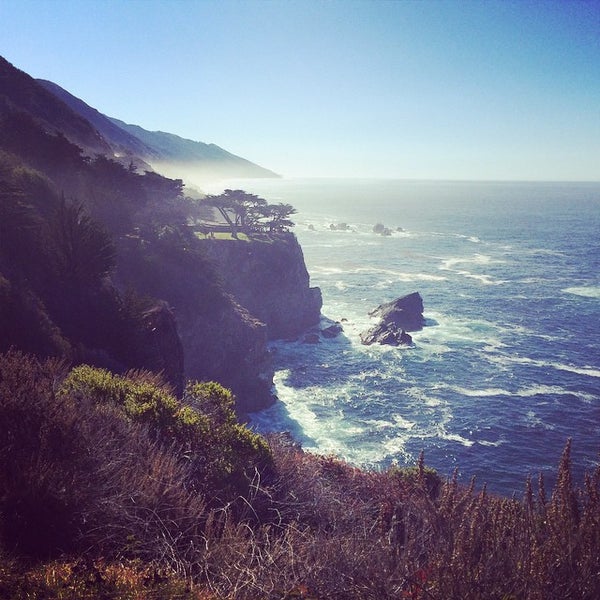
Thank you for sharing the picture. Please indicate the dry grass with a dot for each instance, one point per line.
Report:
(83, 485)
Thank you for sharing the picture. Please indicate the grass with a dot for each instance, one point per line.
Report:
(96, 502)
(221, 235)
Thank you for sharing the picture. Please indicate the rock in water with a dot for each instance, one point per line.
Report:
(405, 312)
(396, 318)
(332, 331)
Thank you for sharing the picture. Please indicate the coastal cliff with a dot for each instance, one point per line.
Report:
(270, 280)
(99, 263)
(230, 346)
(229, 298)
(266, 296)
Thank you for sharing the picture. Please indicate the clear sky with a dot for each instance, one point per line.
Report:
(443, 90)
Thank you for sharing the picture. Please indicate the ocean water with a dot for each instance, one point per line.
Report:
(508, 365)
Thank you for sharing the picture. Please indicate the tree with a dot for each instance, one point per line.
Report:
(241, 210)
(19, 228)
(279, 216)
(85, 252)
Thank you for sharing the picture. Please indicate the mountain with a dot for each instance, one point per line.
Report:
(21, 93)
(121, 141)
(164, 151)
(59, 111)
(175, 150)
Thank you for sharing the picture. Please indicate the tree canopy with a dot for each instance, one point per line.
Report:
(247, 213)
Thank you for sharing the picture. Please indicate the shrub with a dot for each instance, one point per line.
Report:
(225, 456)
(142, 396)
(100, 465)
(74, 580)
(75, 476)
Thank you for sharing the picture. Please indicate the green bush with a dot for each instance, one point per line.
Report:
(142, 397)
(229, 456)
(77, 475)
(225, 455)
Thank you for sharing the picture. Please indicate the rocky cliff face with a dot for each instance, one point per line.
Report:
(230, 347)
(270, 280)
(269, 297)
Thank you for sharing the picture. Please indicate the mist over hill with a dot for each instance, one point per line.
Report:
(161, 150)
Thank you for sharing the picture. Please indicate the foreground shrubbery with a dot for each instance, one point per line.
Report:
(110, 487)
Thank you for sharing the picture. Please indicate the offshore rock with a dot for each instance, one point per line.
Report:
(396, 318)
(311, 338)
(390, 336)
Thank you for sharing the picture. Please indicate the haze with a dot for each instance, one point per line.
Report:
(424, 90)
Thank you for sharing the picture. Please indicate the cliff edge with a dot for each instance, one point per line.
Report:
(268, 277)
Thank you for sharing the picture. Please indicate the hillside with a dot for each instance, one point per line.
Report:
(99, 265)
(173, 152)
(157, 148)
(20, 92)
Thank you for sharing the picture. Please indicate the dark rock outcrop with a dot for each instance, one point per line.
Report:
(396, 318)
(230, 347)
(162, 344)
(270, 280)
(332, 331)
(311, 338)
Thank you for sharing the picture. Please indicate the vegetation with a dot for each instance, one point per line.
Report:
(112, 487)
(87, 246)
(248, 213)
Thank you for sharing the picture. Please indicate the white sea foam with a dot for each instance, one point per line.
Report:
(491, 444)
(587, 370)
(532, 420)
(451, 264)
(455, 437)
(455, 330)
(482, 393)
(394, 275)
(526, 392)
(485, 279)
(548, 390)
(476, 259)
(402, 422)
(584, 291)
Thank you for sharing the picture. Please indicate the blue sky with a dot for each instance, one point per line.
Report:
(425, 90)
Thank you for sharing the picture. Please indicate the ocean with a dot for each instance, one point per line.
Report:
(507, 367)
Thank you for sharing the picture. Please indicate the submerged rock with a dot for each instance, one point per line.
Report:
(396, 318)
(381, 229)
(340, 227)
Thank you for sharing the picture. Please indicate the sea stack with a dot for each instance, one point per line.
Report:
(396, 319)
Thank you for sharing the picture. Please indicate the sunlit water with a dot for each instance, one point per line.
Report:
(508, 366)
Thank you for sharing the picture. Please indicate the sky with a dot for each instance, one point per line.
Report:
(484, 90)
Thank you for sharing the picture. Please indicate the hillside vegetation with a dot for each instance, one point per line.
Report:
(111, 487)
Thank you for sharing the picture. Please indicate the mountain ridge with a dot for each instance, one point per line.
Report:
(157, 149)
(19, 92)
